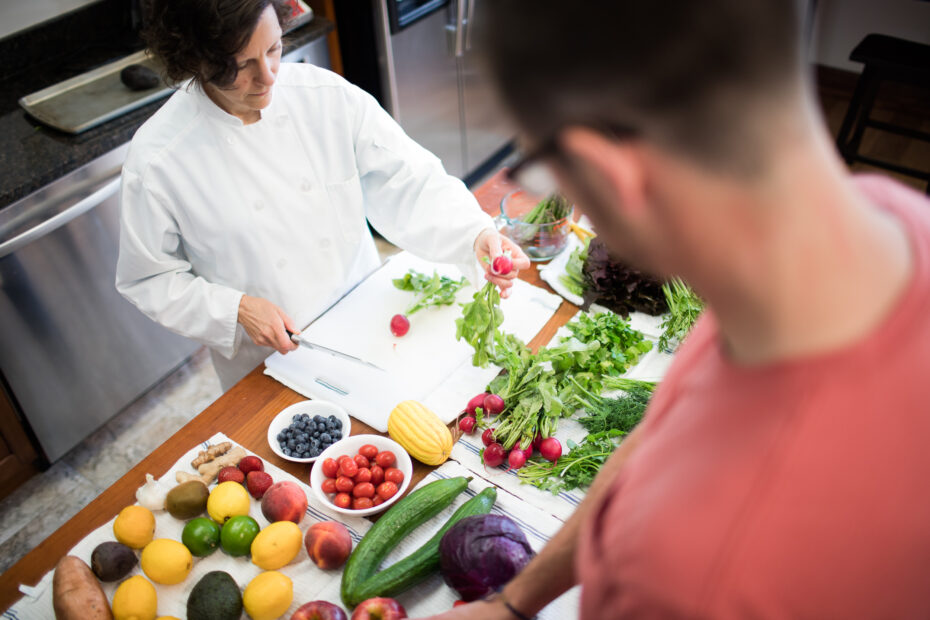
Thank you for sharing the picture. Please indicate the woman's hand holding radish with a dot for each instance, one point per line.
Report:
(266, 324)
(501, 258)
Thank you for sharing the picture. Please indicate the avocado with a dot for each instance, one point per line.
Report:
(215, 597)
(187, 500)
(111, 561)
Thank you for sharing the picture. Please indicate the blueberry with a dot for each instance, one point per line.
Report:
(336, 435)
(326, 438)
(315, 452)
(317, 433)
(281, 436)
(337, 425)
(317, 418)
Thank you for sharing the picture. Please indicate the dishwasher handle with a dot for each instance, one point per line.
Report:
(57, 221)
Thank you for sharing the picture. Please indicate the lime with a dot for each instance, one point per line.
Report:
(201, 536)
(237, 535)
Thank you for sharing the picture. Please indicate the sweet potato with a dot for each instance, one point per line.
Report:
(76, 593)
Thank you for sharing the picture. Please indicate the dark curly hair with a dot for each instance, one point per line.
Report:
(199, 39)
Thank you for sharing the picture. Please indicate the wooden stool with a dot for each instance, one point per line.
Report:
(885, 59)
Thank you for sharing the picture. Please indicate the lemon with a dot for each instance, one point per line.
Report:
(228, 499)
(276, 545)
(135, 599)
(268, 595)
(166, 561)
(134, 526)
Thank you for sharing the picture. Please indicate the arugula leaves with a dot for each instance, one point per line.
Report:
(430, 290)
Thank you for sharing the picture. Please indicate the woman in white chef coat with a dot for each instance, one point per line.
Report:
(245, 198)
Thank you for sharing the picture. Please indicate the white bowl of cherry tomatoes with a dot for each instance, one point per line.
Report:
(361, 475)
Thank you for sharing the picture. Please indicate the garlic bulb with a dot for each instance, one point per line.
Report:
(150, 495)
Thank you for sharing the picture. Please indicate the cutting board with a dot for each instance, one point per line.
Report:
(427, 364)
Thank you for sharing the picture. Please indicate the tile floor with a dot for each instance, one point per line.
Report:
(46, 501)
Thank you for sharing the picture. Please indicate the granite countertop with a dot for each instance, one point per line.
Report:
(33, 155)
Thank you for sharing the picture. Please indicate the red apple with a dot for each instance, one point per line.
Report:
(379, 609)
(319, 610)
(284, 501)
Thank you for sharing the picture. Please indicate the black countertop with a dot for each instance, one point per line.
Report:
(33, 155)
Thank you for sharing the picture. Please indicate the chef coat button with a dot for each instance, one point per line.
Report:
(282, 263)
(325, 243)
(259, 205)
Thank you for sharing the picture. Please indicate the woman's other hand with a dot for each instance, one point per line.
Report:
(489, 245)
(266, 324)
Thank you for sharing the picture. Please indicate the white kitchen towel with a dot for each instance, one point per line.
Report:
(309, 581)
(427, 364)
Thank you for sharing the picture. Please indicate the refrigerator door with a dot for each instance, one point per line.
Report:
(423, 84)
(487, 127)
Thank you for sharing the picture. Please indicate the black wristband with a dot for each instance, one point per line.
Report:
(516, 612)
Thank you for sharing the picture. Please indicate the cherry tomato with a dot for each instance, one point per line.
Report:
(377, 475)
(330, 467)
(368, 451)
(363, 475)
(364, 489)
(348, 467)
(392, 474)
(340, 459)
(361, 461)
(344, 484)
(385, 459)
(361, 503)
(342, 500)
(328, 486)
(376, 500)
(387, 490)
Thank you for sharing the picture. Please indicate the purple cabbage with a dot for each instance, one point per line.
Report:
(481, 553)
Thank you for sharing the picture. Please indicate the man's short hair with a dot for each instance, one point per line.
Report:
(689, 75)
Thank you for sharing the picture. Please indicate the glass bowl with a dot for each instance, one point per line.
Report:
(539, 240)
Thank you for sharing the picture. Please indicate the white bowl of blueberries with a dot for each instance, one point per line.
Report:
(302, 431)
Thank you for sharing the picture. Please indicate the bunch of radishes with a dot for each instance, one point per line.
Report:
(494, 453)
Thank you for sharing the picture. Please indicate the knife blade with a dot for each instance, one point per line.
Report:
(298, 339)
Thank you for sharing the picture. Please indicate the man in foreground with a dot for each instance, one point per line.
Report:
(780, 469)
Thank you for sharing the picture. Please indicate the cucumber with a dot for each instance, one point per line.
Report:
(423, 562)
(401, 519)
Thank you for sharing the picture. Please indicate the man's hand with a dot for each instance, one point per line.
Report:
(486, 610)
(265, 323)
(489, 245)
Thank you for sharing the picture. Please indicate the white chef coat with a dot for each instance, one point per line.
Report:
(212, 209)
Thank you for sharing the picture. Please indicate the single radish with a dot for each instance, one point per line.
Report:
(493, 455)
(493, 404)
(517, 458)
(528, 452)
(538, 440)
(502, 265)
(488, 436)
(550, 449)
(467, 424)
(400, 325)
(475, 402)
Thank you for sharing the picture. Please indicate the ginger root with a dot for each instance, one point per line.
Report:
(211, 453)
(208, 471)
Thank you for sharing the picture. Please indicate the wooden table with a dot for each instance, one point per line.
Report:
(243, 414)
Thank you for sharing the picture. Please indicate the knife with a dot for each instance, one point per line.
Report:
(298, 339)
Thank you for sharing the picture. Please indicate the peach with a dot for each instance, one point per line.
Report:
(328, 544)
(284, 501)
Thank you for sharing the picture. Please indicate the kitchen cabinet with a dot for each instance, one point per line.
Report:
(18, 457)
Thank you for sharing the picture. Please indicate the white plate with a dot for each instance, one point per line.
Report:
(350, 447)
(311, 408)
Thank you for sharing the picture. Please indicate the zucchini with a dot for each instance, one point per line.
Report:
(401, 519)
(416, 567)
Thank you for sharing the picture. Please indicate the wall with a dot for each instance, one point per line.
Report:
(16, 15)
(841, 24)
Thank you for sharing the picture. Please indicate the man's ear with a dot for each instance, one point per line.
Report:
(617, 166)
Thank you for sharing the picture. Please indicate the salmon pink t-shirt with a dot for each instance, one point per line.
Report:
(795, 490)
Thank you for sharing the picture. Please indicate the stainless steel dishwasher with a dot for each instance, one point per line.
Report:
(73, 352)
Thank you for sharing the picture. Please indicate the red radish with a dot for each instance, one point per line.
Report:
(493, 404)
(488, 436)
(475, 402)
(467, 424)
(494, 455)
(550, 449)
(538, 440)
(400, 325)
(528, 452)
(517, 458)
(502, 265)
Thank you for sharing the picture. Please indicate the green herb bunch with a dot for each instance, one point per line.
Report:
(684, 307)
(432, 290)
